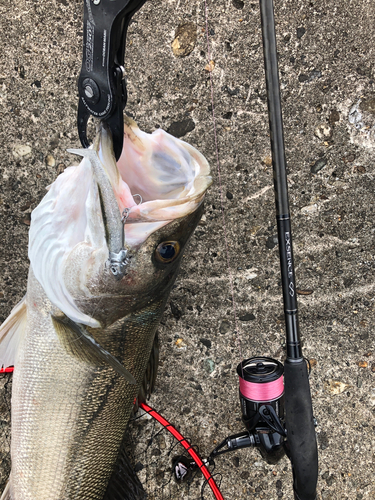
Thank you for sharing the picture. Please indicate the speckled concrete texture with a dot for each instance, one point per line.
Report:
(326, 62)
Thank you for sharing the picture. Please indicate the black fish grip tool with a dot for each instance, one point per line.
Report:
(101, 83)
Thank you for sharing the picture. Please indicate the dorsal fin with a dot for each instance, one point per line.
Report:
(11, 334)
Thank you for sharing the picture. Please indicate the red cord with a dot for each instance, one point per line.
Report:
(7, 370)
(187, 447)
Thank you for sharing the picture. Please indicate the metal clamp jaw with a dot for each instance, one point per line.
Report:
(101, 83)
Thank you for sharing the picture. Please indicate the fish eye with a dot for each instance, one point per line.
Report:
(167, 251)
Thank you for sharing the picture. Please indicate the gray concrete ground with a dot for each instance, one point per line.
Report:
(326, 57)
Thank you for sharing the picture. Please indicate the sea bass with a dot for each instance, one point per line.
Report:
(82, 340)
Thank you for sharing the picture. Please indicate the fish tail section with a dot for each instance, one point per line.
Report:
(124, 483)
(11, 334)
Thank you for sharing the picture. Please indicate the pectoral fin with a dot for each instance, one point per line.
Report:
(11, 334)
(149, 379)
(76, 340)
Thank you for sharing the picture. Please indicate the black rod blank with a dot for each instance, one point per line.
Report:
(274, 107)
(280, 181)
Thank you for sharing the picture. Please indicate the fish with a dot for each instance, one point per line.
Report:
(105, 246)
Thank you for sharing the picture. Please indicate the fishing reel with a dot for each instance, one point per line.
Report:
(261, 389)
(262, 403)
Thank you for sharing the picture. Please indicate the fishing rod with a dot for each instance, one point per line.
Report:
(300, 444)
(275, 399)
(299, 420)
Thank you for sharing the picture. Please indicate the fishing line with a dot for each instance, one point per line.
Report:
(230, 274)
(262, 392)
(219, 478)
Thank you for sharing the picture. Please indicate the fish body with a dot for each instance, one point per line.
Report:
(83, 338)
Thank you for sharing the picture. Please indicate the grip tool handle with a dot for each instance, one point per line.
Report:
(101, 83)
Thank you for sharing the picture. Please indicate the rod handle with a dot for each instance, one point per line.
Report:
(299, 422)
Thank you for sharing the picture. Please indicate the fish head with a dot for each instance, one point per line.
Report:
(109, 237)
(147, 275)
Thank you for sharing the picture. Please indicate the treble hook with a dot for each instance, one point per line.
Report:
(118, 262)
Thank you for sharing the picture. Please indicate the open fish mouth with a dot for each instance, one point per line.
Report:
(169, 176)
(78, 226)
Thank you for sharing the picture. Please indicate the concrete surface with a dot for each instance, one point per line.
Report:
(326, 58)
